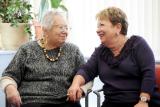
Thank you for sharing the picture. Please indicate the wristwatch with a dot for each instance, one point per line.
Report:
(144, 99)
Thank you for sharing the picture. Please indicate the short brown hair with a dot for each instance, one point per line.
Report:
(114, 15)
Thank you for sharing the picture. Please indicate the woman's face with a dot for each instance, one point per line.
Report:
(106, 31)
(58, 32)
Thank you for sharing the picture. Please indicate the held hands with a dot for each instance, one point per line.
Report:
(141, 104)
(13, 96)
(74, 93)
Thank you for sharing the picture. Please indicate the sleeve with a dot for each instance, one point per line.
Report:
(146, 62)
(5, 81)
(87, 86)
(79, 59)
(15, 68)
(90, 70)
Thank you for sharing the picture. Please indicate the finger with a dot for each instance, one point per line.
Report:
(67, 99)
(20, 100)
(75, 96)
(79, 95)
(72, 96)
(17, 101)
(68, 94)
(18, 104)
(10, 105)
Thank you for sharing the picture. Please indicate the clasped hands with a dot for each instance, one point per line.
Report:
(74, 93)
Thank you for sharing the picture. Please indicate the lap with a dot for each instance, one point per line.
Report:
(67, 104)
(108, 104)
(118, 105)
(112, 104)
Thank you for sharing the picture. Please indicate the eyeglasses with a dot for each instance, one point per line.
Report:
(63, 27)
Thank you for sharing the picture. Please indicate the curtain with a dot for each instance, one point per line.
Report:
(143, 18)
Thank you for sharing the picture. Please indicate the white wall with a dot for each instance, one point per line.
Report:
(143, 18)
(5, 58)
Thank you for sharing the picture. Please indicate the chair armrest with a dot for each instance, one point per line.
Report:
(97, 92)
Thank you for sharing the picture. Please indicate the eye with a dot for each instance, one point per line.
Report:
(100, 25)
(64, 27)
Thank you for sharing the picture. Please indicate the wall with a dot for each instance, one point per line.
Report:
(5, 58)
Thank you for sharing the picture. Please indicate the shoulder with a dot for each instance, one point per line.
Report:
(29, 45)
(101, 49)
(137, 41)
(70, 46)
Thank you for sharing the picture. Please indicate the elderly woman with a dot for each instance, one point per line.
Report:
(125, 65)
(42, 71)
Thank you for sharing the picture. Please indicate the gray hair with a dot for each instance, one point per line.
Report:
(48, 19)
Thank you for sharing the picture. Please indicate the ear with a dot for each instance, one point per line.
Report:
(45, 31)
(119, 27)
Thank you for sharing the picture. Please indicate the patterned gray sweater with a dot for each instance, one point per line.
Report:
(40, 80)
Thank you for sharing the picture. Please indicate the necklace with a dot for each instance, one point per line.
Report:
(52, 59)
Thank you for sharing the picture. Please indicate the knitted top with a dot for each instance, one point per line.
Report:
(40, 80)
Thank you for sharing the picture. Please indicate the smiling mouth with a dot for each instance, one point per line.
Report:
(101, 36)
(63, 37)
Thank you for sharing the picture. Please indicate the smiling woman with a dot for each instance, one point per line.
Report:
(119, 60)
(42, 71)
(52, 30)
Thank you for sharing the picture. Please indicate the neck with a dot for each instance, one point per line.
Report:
(117, 44)
(52, 45)
(47, 45)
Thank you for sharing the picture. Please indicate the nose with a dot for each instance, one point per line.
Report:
(98, 30)
(64, 32)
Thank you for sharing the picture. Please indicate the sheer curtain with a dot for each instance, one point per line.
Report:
(143, 18)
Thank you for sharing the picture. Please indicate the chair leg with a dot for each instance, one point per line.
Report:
(87, 98)
(98, 97)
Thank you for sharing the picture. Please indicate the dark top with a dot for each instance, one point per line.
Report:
(40, 80)
(126, 75)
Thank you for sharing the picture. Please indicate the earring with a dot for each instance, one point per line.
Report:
(117, 34)
(43, 41)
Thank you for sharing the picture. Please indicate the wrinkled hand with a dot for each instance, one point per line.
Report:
(141, 104)
(74, 93)
(13, 96)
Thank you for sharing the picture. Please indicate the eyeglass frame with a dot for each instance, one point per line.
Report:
(63, 27)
